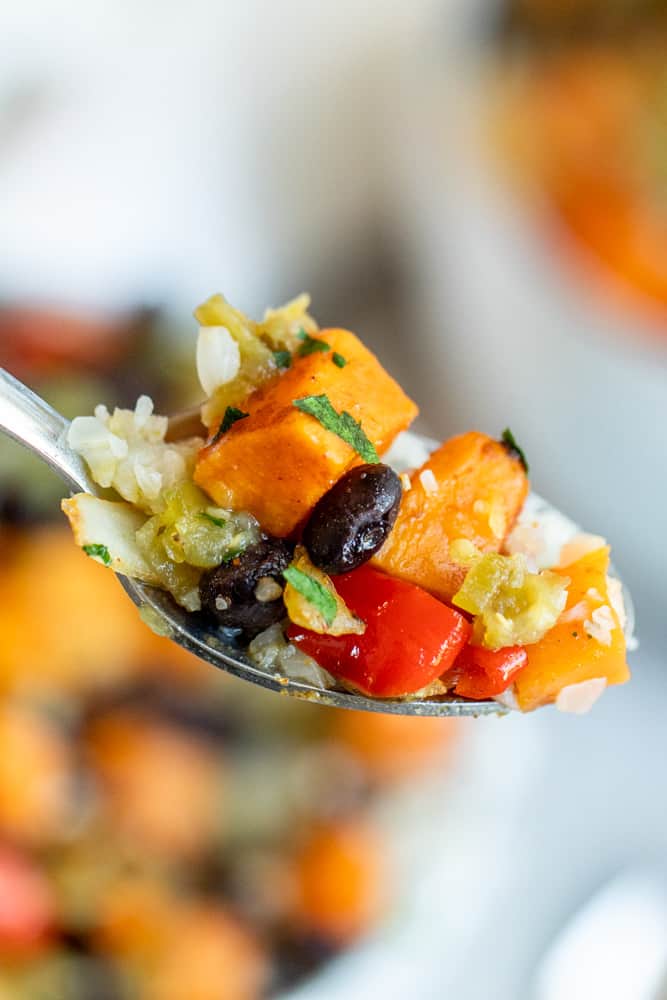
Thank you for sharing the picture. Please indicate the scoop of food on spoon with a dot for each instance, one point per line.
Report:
(264, 533)
(28, 419)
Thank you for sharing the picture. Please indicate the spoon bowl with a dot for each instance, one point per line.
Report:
(36, 425)
(192, 631)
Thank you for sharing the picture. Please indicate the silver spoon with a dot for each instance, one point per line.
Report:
(28, 419)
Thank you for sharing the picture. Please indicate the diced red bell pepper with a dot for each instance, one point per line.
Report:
(410, 639)
(483, 673)
(27, 906)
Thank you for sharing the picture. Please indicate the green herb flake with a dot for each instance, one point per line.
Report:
(513, 448)
(217, 521)
(311, 345)
(229, 419)
(338, 359)
(283, 359)
(575, 635)
(313, 591)
(232, 555)
(342, 424)
(99, 552)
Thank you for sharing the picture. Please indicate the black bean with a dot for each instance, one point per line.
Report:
(351, 522)
(228, 591)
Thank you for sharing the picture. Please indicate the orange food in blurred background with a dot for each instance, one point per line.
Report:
(393, 747)
(36, 778)
(583, 126)
(340, 879)
(65, 626)
(132, 755)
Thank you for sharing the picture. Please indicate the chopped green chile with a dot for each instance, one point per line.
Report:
(512, 607)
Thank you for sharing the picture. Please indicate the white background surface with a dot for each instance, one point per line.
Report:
(214, 125)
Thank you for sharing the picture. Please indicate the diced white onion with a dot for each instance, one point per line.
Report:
(218, 357)
(105, 522)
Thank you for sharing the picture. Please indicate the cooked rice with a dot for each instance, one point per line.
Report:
(271, 651)
(601, 624)
(126, 450)
(428, 481)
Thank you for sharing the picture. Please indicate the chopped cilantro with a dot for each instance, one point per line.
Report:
(217, 521)
(311, 345)
(229, 419)
(342, 424)
(313, 591)
(100, 552)
(338, 359)
(513, 448)
(282, 358)
(232, 555)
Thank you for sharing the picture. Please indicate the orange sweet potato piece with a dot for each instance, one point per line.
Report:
(278, 462)
(568, 654)
(480, 490)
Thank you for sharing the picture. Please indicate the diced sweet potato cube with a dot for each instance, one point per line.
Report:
(472, 488)
(278, 462)
(577, 648)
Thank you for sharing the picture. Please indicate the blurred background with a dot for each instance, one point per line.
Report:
(479, 189)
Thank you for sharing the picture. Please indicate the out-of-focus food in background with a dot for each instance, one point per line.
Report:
(165, 831)
(580, 120)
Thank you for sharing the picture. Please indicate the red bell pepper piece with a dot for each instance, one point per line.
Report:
(27, 905)
(483, 673)
(410, 639)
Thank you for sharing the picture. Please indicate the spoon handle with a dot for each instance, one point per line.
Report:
(28, 419)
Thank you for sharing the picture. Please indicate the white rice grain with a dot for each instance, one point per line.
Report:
(428, 481)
